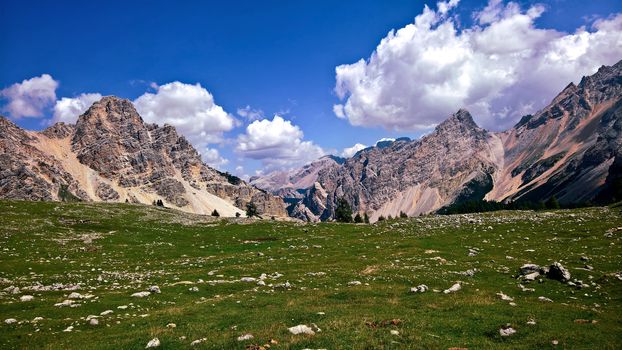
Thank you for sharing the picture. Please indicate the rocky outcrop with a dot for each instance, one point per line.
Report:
(110, 154)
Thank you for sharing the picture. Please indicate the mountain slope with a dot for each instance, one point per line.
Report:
(112, 155)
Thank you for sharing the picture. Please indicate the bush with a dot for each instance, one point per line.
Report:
(237, 214)
(215, 213)
(403, 215)
(343, 212)
(552, 203)
(381, 218)
(366, 218)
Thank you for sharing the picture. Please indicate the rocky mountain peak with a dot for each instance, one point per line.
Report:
(458, 123)
(111, 111)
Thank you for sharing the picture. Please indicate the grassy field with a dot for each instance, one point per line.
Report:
(112, 251)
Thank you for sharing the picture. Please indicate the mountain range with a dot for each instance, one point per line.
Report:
(571, 149)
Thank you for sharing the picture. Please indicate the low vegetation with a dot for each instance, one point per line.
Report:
(243, 283)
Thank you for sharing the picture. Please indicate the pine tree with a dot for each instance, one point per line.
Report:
(343, 212)
(403, 215)
(358, 219)
(381, 218)
(215, 213)
(366, 218)
(552, 203)
(251, 210)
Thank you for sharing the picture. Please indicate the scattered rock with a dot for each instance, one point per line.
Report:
(301, 329)
(506, 331)
(26, 298)
(141, 294)
(504, 297)
(198, 341)
(155, 289)
(558, 272)
(153, 343)
(93, 322)
(422, 288)
(456, 287)
(248, 279)
(74, 295)
(244, 337)
(10, 321)
(529, 268)
(171, 325)
(354, 283)
(395, 332)
(545, 299)
(68, 329)
(107, 312)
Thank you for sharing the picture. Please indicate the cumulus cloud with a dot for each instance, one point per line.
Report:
(68, 109)
(212, 157)
(351, 151)
(189, 108)
(277, 143)
(30, 97)
(192, 111)
(500, 68)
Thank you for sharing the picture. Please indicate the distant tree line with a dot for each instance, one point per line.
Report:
(485, 206)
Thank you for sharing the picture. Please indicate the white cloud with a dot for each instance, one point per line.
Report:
(277, 143)
(212, 157)
(500, 69)
(30, 97)
(189, 108)
(250, 113)
(68, 109)
(351, 151)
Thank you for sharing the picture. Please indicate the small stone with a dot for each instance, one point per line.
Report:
(555, 342)
(107, 312)
(245, 337)
(193, 289)
(10, 321)
(395, 332)
(545, 299)
(93, 322)
(504, 297)
(506, 331)
(301, 329)
(456, 287)
(155, 289)
(422, 288)
(354, 283)
(141, 294)
(68, 329)
(558, 272)
(153, 343)
(26, 298)
(171, 325)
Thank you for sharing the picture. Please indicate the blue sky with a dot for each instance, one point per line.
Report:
(275, 56)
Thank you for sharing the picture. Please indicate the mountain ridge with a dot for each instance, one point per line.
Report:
(569, 149)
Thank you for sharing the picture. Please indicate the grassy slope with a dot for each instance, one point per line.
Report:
(136, 246)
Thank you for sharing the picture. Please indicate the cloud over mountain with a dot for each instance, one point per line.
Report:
(277, 143)
(500, 68)
(67, 109)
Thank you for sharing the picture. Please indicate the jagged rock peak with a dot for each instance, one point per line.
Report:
(115, 110)
(459, 121)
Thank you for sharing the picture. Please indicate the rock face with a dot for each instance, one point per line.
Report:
(572, 149)
(110, 154)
